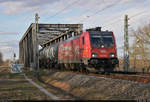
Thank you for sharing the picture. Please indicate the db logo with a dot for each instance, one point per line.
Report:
(103, 55)
(103, 51)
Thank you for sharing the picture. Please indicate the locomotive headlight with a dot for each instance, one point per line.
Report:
(94, 55)
(112, 55)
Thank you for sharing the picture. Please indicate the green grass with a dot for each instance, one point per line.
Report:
(11, 76)
(15, 87)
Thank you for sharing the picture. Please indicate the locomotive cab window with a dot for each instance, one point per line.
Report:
(103, 40)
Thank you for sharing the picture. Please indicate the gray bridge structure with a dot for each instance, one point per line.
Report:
(43, 35)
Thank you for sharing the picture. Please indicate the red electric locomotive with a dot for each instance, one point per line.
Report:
(93, 49)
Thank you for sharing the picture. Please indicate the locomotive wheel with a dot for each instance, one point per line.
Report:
(76, 67)
(83, 68)
(109, 69)
(80, 68)
(62, 67)
(56, 66)
(73, 66)
(86, 71)
(67, 67)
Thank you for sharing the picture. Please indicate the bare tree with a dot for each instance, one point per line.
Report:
(1, 58)
(140, 50)
(7, 62)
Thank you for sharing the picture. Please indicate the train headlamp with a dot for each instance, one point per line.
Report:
(102, 46)
(94, 55)
(112, 55)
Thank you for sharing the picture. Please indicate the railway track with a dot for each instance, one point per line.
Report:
(136, 78)
(130, 76)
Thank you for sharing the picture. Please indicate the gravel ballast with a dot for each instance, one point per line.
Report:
(91, 87)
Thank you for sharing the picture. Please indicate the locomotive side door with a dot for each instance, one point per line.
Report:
(82, 44)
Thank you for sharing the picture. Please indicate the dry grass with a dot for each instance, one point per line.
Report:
(93, 88)
(4, 69)
(139, 65)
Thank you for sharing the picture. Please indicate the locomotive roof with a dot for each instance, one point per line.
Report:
(101, 32)
(97, 30)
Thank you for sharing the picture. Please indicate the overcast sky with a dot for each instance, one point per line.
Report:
(17, 15)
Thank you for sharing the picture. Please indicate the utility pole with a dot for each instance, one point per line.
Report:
(37, 44)
(126, 62)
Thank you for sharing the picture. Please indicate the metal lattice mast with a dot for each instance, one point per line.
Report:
(126, 45)
(37, 44)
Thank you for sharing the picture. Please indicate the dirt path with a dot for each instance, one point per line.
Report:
(41, 88)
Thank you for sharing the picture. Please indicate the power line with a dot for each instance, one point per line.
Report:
(57, 13)
(101, 10)
(107, 7)
(138, 14)
(129, 18)
(85, 12)
(116, 21)
(114, 18)
(95, 13)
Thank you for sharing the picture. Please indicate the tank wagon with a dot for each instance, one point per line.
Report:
(93, 49)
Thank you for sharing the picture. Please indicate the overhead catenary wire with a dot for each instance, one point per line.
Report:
(117, 20)
(135, 15)
(83, 13)
(95, 13)
(103, 9)
(66, 7)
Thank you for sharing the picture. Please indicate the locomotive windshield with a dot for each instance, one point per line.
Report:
(103, 40)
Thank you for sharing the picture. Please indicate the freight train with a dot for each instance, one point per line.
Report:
(93, 49)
